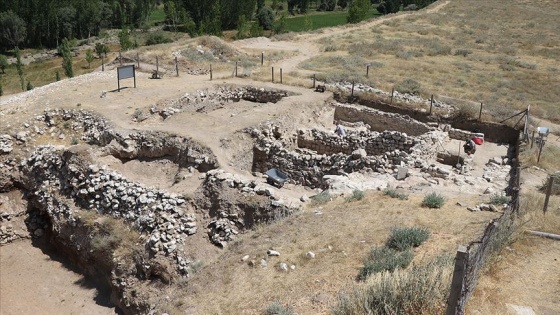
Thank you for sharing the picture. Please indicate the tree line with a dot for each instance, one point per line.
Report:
(44, 23)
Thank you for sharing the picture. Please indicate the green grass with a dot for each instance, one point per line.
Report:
(156, 16)
(320, 20)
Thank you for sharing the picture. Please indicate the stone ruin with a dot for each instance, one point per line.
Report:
(210, 100)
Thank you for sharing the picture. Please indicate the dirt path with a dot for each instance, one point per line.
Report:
(32, 282)
(306, 44)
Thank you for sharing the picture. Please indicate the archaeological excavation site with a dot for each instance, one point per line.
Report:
(223, 198)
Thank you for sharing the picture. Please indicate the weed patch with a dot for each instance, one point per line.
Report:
(433, 200)
(356, 195)
(393, 193)
(384, 259)
(405, 238)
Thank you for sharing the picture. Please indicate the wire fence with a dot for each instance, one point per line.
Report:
(470, 261)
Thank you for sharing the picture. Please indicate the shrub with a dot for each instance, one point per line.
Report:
(265, 16)
(409, 86)
(405, 238)
(74, 141)
(3, 63)
(277, 308)
(395, 194)
(499, 199)
(29, 86)
(384, 259)
(465, 112)
(422, 289)
(463, 52)
(356, 195)
(320, 198)
(433, 200)
(157, 38)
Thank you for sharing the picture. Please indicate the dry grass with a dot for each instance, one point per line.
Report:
(527, 266)
(340, 237)
(549, 156)
(500, 52)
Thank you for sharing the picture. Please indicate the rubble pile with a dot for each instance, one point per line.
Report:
(6, 144)
(160, 215)
(236, 204)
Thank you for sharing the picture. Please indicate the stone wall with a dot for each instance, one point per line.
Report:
(380, 121)
(459, 134)
(374, 143)
(307, 167)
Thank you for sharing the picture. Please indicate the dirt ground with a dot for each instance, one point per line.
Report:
(28, 274)
(37, 282)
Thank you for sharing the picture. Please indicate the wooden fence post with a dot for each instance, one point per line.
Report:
(210, 72)
(138, 60)
(533, 139)
(102, 63)
(272, 74)
(457, 282)
(548, 192)
(262, 58)
(352, 94)
(313, 80)
(120, 58)
(367, 71)
(392, 94)
(176, 66)
(480, 113)
(236, 69)
(157, 66)
(280, 75)
(541, 145)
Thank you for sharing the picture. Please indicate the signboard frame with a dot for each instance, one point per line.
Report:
(125, 72)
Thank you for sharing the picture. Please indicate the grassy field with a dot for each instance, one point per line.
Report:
(319, 20)
(156, 16)
(507, 59)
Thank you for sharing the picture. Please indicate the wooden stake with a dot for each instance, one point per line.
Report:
(272, 74)
(461, 259)
(480, 113)
(313, 80)
(210, 72)
(533, 139)
(541, 144)
(548, 192)
(102, 63)
(176, 66)
(352, 94)
(236, 69)
(367, 71)
(280, 75)
(392, 94)
(262, 58)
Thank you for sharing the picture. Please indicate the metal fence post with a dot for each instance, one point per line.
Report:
(457, 281)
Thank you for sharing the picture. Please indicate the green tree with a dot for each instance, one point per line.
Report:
(266, 18)
(389, 6)
(19, 67)
(358, 11)
(89, 57)
(124, 39)
(211, 24)
(260, 5)
(243, 28)
(29, 86)
(101, 49)
(12, 29)
(67, 58)
(171, 13)
(3, 63)
(280, 25)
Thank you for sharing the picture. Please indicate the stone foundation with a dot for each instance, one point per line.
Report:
(380, 121)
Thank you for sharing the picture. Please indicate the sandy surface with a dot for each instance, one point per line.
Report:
(32, 282)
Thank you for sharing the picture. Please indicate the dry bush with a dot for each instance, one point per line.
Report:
(423, 289)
